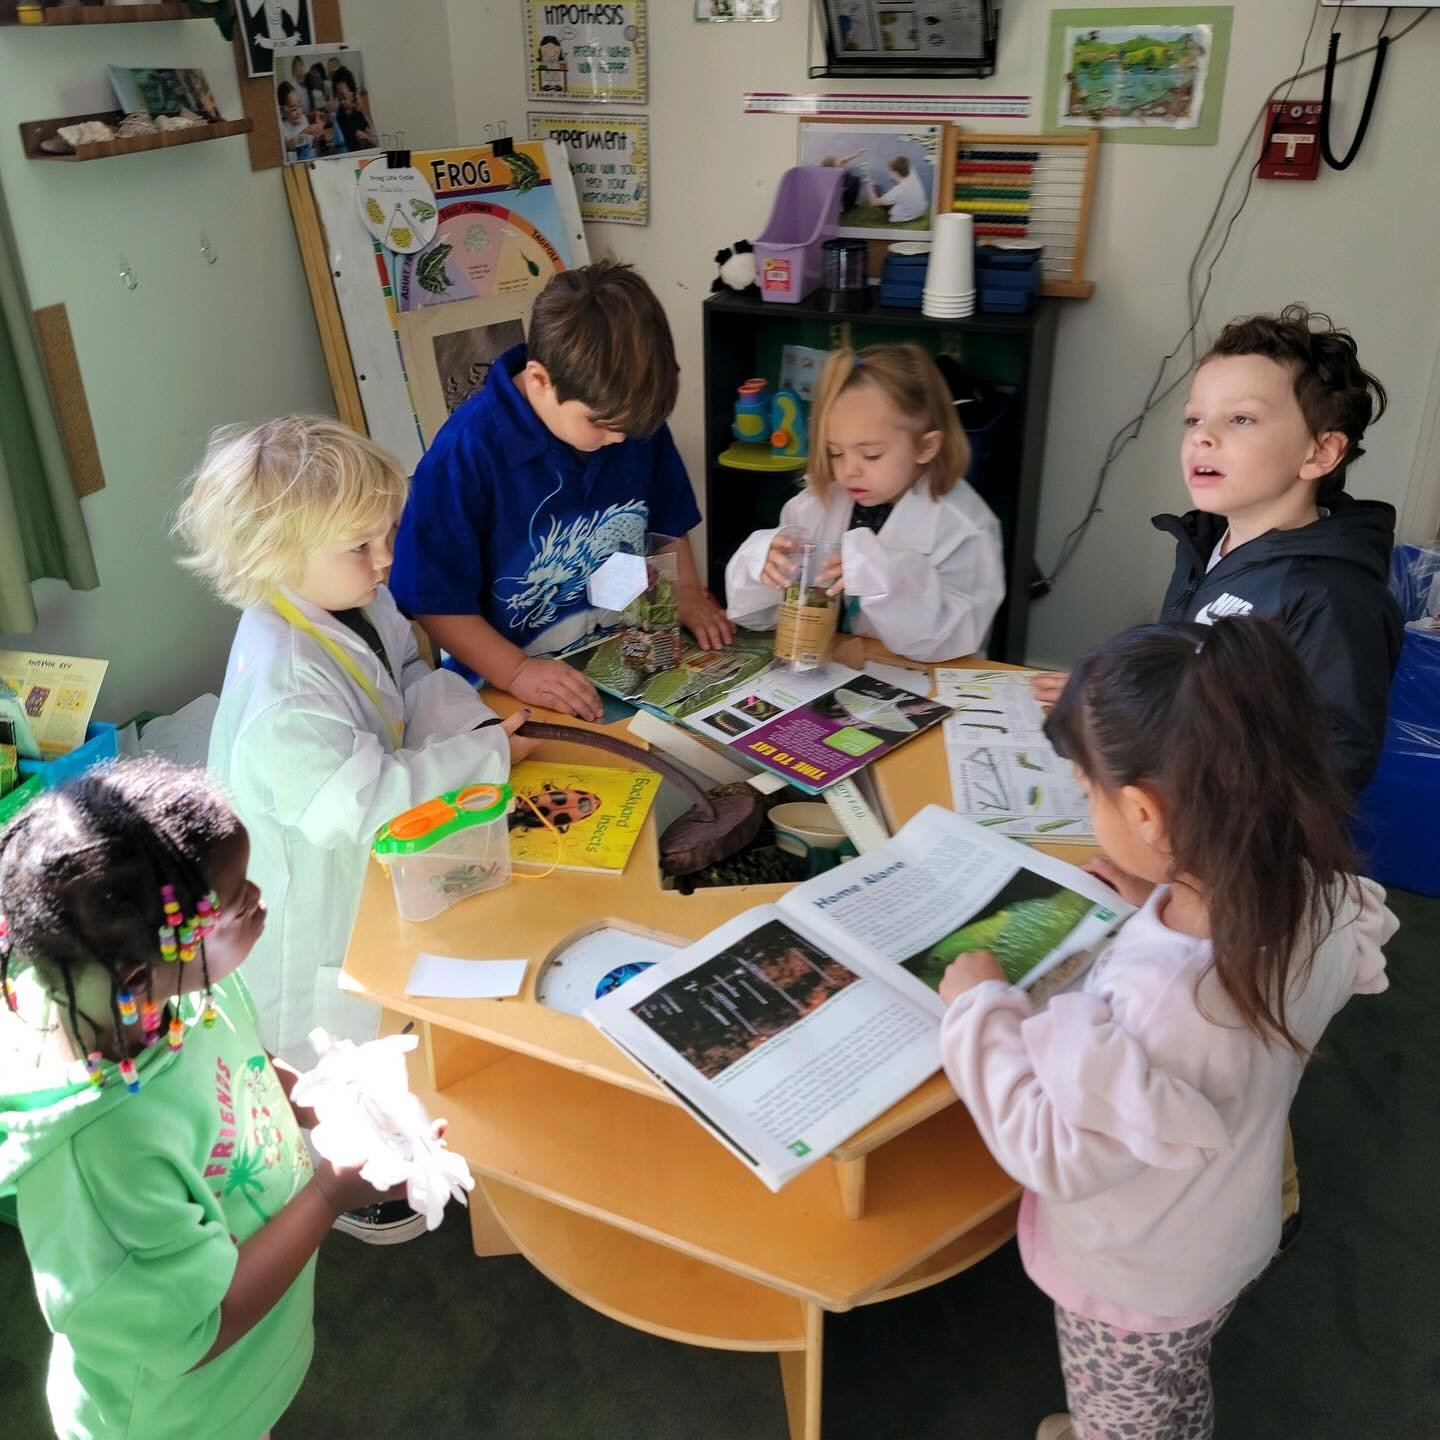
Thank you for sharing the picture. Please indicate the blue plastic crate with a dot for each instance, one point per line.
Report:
(1006, 259)
(1006, 302)
(1026, 281)
(101, 744)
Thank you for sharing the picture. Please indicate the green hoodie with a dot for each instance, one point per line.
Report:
(132, 1209)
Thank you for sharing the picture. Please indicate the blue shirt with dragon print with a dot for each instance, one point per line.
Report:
(506, 521)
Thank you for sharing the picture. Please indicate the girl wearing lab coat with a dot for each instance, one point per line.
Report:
(330, 723)
(919, 560)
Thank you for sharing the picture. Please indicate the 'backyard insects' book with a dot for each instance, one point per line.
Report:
(577, 817)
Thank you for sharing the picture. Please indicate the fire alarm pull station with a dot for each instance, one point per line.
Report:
(1292, 140)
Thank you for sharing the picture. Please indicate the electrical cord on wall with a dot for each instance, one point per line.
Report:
(1156, 396)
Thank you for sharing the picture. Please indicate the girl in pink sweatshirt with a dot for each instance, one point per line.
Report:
(1145, 1113)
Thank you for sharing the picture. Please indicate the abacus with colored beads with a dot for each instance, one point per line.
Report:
(1028, 188)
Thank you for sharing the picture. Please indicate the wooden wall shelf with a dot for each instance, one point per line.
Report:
(33, 132)
(104, 14)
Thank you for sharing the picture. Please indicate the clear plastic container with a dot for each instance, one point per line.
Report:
(805, 626)
(447, 849)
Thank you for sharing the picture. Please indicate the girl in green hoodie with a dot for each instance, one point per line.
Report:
(168, 1203)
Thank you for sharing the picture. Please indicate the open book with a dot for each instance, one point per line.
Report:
(794, 1025)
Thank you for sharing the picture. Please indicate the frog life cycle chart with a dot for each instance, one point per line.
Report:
(1004, 774)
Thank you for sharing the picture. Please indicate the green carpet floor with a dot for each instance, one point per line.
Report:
(1341, 1341)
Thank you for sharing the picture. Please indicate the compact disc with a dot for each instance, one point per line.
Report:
(575, 975)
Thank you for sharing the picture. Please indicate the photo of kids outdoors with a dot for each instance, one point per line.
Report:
(322, 102)
(890, 174)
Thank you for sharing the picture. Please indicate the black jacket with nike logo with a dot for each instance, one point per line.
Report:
(1326, 585)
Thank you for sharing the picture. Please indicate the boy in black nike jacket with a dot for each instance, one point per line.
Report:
(1275, 416)
(1274, 419)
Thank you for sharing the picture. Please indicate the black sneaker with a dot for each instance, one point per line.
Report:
(391, 1223)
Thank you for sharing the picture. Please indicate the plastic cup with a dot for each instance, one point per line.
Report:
(805, 628)
(952, 254)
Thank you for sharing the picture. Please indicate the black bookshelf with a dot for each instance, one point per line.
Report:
(1011, 354)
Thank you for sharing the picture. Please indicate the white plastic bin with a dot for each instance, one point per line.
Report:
(447, 849)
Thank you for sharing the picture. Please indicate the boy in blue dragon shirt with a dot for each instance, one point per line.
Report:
(562, 459)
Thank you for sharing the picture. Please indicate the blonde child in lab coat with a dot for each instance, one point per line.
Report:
(920, 560)
(330, 722)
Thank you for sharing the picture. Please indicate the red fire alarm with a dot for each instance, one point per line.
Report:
(1292, 140)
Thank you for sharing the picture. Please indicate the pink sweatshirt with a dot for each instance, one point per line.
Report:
(1148, 1131)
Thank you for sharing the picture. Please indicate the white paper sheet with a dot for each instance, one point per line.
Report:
(451, 978)
(1004, 773)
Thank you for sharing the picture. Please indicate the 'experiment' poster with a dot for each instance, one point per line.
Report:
(610, 159)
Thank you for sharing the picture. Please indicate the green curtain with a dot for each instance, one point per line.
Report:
(42, 532)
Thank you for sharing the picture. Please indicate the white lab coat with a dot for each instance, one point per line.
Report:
(313, 775)
(928, 584)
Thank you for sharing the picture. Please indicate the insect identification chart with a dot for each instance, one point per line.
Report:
(1004, 774)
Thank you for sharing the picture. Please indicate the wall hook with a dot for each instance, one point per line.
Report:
(207, 249)
(127, 275)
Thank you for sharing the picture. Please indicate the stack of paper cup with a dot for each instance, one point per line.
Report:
(950, 280)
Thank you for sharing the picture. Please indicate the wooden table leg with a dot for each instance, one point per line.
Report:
(800, 1374)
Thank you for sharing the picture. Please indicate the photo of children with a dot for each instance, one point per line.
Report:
(890, 174)
(1025, 923)
(322, 103)
(720, 1012)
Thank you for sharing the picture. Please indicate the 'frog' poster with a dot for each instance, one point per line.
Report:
(506, 221)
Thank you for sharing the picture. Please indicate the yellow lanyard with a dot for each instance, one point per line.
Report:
(289, 612)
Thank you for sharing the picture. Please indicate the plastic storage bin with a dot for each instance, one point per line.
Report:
(1397, 826)
(447, 849)
(100, 745)
(789, 255)
(37, 775)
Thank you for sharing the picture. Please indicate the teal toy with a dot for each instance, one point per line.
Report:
(752, 414)
(788, 437)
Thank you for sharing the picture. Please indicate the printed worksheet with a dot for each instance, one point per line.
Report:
(1003, 772)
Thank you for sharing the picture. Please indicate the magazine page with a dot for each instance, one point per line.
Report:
(941, 886)
(816, 727)
(695, 681)
(51, 698)
(1004, 774)
(785, 1049)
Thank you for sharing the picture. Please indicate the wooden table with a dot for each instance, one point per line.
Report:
(593, 1173)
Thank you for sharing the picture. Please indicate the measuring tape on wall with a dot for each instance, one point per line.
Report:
(904, 107)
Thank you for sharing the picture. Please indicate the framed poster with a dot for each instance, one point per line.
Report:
(1147, 76)
(504, 225)
(587, 53)
(892, 174)
(610, 160)
(271, 25)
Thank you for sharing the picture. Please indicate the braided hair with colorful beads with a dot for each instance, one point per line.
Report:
(108, 875)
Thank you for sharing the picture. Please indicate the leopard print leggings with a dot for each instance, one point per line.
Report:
(1126, 1385)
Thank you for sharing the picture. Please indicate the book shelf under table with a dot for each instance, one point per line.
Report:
(611, 1189)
